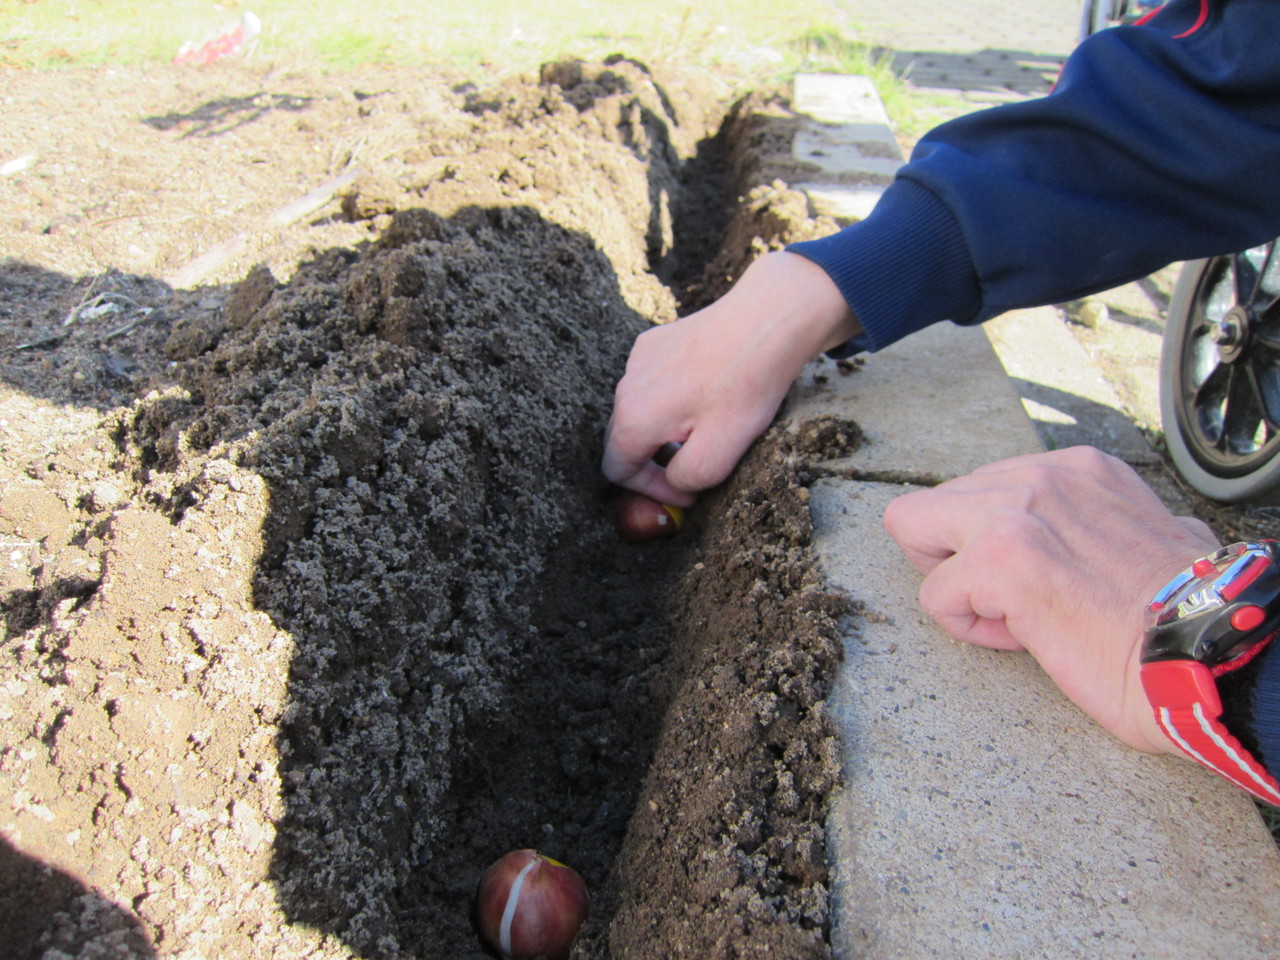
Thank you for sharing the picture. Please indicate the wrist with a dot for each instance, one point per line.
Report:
(1149, 736)
(797, 300)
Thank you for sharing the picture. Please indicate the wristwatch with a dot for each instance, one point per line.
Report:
(1212, 618)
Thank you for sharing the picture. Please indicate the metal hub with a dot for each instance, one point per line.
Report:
(1230, 333)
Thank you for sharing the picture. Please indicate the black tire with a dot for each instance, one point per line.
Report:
(1220, 376)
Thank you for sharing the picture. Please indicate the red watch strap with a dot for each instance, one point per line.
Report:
(1187, 706)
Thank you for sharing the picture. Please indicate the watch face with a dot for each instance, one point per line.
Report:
(1218, 608)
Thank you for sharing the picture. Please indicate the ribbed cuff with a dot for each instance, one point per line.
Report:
(904, 267)
(1265, 721)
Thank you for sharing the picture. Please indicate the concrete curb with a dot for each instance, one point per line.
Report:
(982, 815)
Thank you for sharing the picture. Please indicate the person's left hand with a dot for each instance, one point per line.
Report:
(1057, 554)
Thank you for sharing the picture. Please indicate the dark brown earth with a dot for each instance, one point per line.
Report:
(311, 603)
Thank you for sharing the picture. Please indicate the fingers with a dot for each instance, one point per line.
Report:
(1069, 490)
(1006, 548)
(713, 449)
(973, 592)
(701, 461)
(633, 465)
(944, 599)
(712, 405)
(932, 525)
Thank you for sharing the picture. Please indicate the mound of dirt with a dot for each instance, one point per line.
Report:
(312, 603)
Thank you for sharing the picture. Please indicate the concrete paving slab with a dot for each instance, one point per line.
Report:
(978, 50)
(841, 201)
(838, 98)
(983, 815)
(849, 152)
(843, 133)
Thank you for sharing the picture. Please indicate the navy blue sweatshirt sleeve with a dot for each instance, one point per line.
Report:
(1159, 143)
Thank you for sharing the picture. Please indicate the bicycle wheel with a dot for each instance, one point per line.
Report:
(1220, 376)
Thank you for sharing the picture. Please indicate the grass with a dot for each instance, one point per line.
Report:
(747, 43)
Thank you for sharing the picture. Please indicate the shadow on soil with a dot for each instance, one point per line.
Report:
(45, 909)
(220, 116)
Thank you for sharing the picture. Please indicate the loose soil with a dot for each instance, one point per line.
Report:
(312, 606)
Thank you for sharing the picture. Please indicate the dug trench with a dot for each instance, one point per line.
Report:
(313, 605)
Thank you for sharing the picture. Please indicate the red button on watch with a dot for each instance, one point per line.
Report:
(1248, 618)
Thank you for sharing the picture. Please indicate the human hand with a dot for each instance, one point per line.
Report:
(713, 381)
(1056, 554)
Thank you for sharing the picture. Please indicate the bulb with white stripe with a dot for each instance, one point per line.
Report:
(529, 906)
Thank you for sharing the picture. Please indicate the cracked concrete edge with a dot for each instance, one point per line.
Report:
(982, 815)
(937, 404)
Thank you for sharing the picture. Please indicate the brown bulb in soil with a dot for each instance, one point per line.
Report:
(640, 519)
(528, 906)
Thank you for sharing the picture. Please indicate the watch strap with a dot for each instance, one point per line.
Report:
(1188, 710)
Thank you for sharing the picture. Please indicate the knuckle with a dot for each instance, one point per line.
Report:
(696, 473)
(1092, 460)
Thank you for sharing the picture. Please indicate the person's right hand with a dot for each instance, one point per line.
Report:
(714, 380)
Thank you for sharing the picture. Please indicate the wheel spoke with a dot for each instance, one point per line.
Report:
(1208, 402)
(1271, 312)
(1242, 414)
(1202, 357)
(1264, 374)
(1246, 274)
(1269, 281)
(1266, 333)
(1221, 293)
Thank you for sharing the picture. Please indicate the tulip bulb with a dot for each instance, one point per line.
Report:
(639, 519)
(529, 906)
